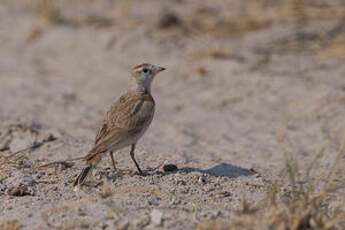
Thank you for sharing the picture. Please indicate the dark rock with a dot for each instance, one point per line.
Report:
(170, 168)
(21, 190)
(169, 20)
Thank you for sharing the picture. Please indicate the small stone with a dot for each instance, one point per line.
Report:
(169, 20)
(104, 226)
(170, 168)
(184, 190)
(49, 137)
(153, 202)
(156, 217)
(21, 190)
(180, 181)
(222, 194)
(82, 212)
(175, 202)
(98, 176)
(202, 180)
(208, 214)
(27, 166)
(64, 165)
(210, 188)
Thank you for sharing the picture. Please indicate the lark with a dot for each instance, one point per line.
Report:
(125, 122)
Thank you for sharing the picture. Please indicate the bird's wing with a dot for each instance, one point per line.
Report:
(130, 112)
(101, 132)
(129, 115)
(111, 138)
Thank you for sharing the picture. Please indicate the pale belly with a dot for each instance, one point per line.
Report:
(133, 139)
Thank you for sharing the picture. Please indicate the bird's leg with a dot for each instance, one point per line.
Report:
(112, 159)
(132, 156)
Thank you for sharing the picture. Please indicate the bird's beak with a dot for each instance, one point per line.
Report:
(158, 69)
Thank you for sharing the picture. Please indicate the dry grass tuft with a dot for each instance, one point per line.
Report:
(34, 35)
(255, 15)
(208, 23)
(9, 225)
(214, 53)
(297, 208)
(217, 21)
(336, 48)
(49, 11)
(213, 225)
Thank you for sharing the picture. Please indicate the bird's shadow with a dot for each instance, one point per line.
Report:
(219, 170)
(222, 170)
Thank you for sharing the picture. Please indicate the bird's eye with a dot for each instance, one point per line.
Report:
(145, 70)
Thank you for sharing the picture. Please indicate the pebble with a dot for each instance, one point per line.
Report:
(170, 168)
(169, 20)
(222, 194)
(21, 190)
(156, 217)
(202, 180)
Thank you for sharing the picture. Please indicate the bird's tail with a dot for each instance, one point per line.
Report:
(83, 175)
(92, 160)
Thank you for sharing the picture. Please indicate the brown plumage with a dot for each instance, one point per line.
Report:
(126, 121)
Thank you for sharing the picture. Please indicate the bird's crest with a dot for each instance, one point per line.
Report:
(141, 65)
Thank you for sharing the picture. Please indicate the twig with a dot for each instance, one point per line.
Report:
(34, 146)
(63, 162)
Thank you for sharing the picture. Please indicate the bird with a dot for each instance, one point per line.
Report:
(125, 122)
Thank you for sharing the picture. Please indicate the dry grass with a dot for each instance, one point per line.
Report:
(299, 207)
(255, 15)
(9, 225)
(216, 21)
(205, 20)
(13, 160)
(205, 24)
(336, 48)
(49, 11)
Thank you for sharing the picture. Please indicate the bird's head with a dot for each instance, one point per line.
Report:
(143, 75)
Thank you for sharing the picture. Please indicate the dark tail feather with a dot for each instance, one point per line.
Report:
(92, 160)
(83, 175)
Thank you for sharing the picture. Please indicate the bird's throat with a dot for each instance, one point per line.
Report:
(144, 87)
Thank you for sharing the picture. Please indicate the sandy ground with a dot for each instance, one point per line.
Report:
(228, 108)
